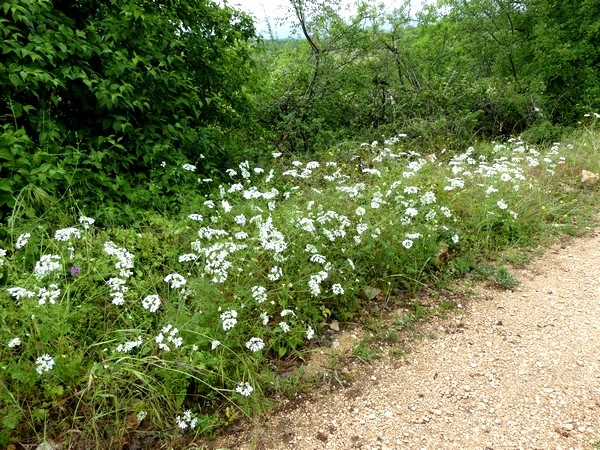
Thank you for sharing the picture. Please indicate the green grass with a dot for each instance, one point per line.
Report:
(275, 256)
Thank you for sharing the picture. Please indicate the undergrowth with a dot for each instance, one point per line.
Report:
(175, 327)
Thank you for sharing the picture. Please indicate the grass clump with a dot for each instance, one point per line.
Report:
(174, 327)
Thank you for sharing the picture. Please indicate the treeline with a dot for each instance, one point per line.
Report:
(104, 101)
(459, 71)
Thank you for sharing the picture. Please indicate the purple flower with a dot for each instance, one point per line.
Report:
(75, 270)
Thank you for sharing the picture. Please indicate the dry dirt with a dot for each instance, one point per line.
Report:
(513, 370)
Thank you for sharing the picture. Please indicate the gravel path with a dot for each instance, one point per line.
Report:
(518, 370)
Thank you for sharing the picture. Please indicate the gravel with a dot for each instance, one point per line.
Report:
(515, 370)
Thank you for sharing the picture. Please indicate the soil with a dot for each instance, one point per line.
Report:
(515, 369)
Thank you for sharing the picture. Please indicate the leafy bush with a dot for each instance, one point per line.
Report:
(96, 95)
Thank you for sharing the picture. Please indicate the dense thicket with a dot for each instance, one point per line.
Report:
(461, 71)
(95, 95)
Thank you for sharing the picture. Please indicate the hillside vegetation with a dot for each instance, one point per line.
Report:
(186, 206)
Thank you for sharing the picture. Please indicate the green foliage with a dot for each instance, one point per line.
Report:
(280, 251)
(96, 95)
(504, 278)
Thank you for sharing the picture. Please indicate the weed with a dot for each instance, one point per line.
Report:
(504, 278)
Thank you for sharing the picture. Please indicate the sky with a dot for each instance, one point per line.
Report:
(276, 10)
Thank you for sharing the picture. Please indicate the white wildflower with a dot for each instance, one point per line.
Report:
(86, 222)
(171, 335)
(22, 240)
(407, 243)
(411, 212)
(151, 302)
(428, 198)
(275, 273)
(310, 333)
(189, 167)
(255, 344)
(229, 319)
(15, 342)
(124, 259)
(175, 280)
(244, 389)
(187, 257)
(129, 345)
(66, 234)
(46, 265)
(48, 295)
(337, 289)
(259, 293)
(186, 421)
(214, 344)
(264, 318)
(44, 363)
(19, 293)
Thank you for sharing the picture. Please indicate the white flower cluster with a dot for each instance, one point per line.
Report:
(15, 342)
(310, 333)
(189, 167)
(86, 222)
(48, 295)
(151, 302)
(259, 293)
(124, 259)
(337, 289)
(19, 293)
(244, 389)
(46, 265)
(66, 234)
(22, 240)
(229, 319)
(209, 233)
(314, 283)
(171, 335)
(44, 363)
(428, 198)
(255, 344)
(129, 345)
(186, 421)
(271, 239)
(175, 281)
(188, 257)
(275, 273)
(118, 289)
(2, 256)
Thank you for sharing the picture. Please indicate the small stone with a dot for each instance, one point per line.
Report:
(589, 178)
(568, 426)
(371, 416)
